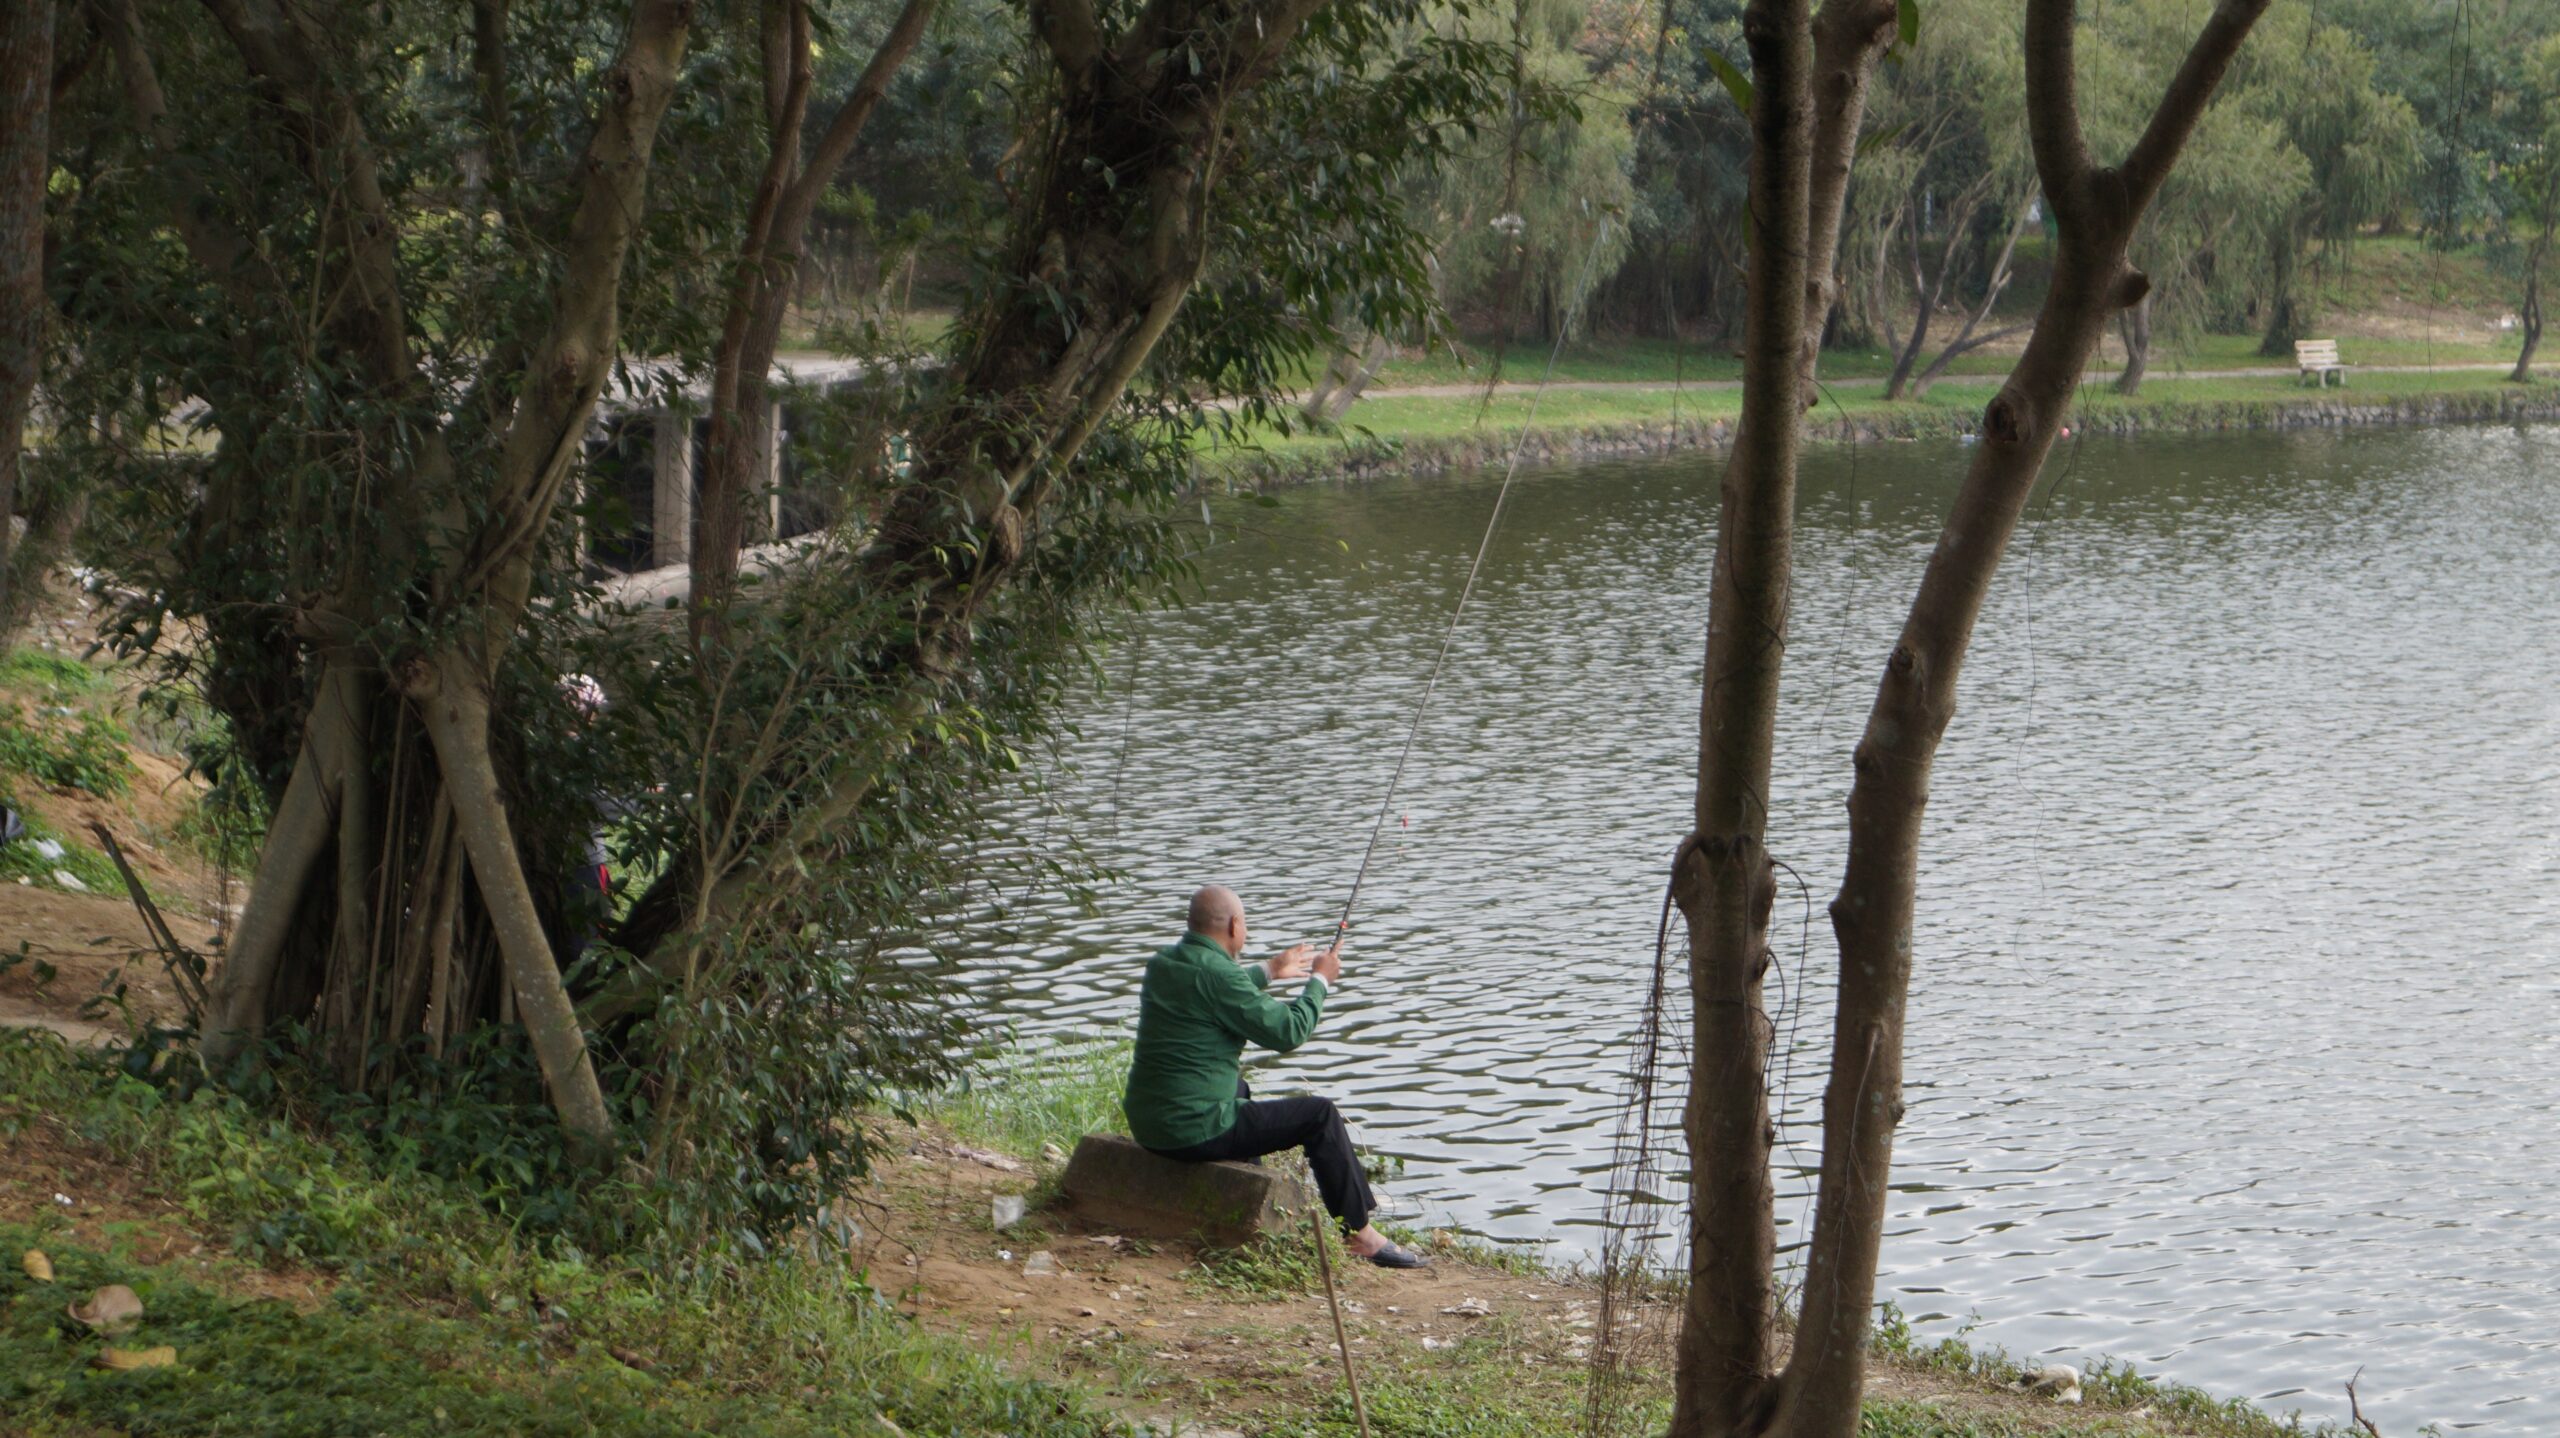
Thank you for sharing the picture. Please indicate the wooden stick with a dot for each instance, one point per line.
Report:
(2356, 1410)
(1324, 1264)
(177, 958)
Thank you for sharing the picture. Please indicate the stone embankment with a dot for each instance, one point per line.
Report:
(1388, 454)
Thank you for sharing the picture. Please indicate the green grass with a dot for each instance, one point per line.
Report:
(1048, 1097)
(64, 749)
(1468, 1396)
(439, 1320)
(2109, 1389)
(35, 671)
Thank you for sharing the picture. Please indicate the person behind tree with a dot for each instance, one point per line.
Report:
(1187, 1098)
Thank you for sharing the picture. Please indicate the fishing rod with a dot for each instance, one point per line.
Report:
(1493, 521)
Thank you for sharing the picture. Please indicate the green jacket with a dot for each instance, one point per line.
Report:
(1196, 1012)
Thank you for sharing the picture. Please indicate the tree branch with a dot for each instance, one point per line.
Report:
(567, 369)
(846, 128)
(2198, 77)
(1848, 36)
(2053, 111)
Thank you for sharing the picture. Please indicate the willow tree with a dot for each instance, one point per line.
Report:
(1728, 1381)
(2534, 176)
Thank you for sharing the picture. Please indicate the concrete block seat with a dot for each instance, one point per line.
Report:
(1113, 1183)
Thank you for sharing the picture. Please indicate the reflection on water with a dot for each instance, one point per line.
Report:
(2233, 1030)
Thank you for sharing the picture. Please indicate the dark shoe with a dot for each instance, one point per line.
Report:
(1394, 1257)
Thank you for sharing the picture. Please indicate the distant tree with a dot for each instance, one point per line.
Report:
(2361, 145)
(1949, 153)
(2534, 174)
(1685, 232)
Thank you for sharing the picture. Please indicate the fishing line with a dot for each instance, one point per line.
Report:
(1519, 447)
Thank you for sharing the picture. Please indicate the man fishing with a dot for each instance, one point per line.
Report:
(1187, 1097)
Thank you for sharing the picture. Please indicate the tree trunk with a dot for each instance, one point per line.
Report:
(26, 98)
(2529, 316)
(2285, 320)
(339, 794)
(1810, 76)
(2095, 211)
(1722, 869)
(456, 712)
(1849, 37)
(2135, 325)
(1346, 375)
(1924, 297)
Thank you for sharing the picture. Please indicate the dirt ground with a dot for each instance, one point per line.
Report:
(91, 943)
(1141, 1322)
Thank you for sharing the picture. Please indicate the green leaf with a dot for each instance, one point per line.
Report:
(1736, 84)
(1907, 16)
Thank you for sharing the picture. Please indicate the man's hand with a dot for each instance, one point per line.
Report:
(1291, 962)
(1328, 965)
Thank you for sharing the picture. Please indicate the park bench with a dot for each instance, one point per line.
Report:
(2318, 360)
(1113, 1183)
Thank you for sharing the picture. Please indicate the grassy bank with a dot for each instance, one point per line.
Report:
(310, 1288)
(1430, 432)
(307, 1286)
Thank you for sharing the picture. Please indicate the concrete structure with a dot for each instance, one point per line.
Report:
(1114, 1183)
(647, 448)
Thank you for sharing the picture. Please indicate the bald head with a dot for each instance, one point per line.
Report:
(1217, 913)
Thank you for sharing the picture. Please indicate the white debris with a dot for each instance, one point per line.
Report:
(1041, 1264)
(47, 849)
(65, 879)
(2057, 1381)
(1008, 1209)
(1470, 1308)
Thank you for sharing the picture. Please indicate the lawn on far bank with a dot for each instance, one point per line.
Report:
(1951, 408)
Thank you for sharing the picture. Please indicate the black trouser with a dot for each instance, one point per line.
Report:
(1314, 1124)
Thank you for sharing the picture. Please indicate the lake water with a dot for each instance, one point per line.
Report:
(2235, 1028)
